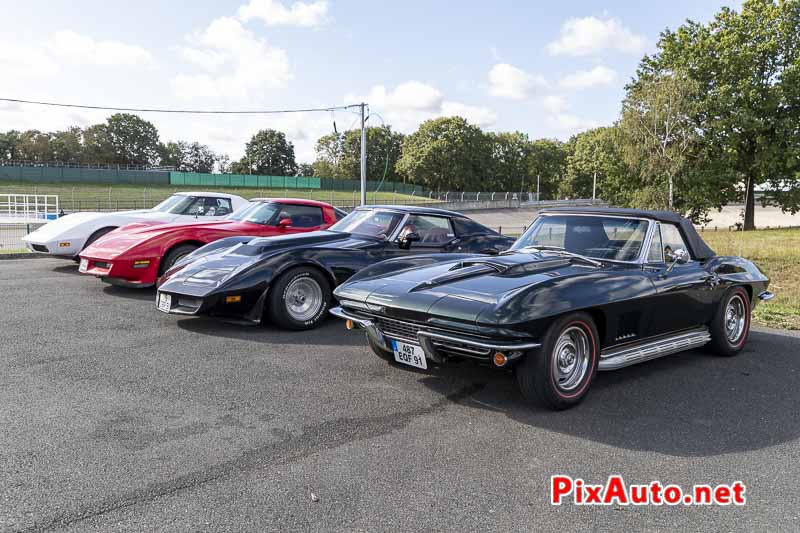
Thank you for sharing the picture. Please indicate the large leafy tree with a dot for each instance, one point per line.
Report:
(446, 154)
(268, 153)
(124, 139)
(188, 157)
(657, 130)
(747, 69)
(509, 162)
(34, 145)
(547, 165)
(67, 145)
(8, 145)
(596, 152)
(339, 155)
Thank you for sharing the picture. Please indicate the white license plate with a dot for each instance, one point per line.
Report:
(409, 354)
(164, 302)
(84, 265)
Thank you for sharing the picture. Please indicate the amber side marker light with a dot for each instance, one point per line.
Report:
(233, 299)
(141, 263)
(500, 359)
(349, 324)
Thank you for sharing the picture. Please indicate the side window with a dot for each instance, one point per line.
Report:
(195, 207)
(432, 230)
(656, 252)
(671, 240)
(218, 207)
(339, 213)
(302, 216)
(466, 226)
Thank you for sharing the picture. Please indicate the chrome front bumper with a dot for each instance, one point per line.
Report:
(433, 343)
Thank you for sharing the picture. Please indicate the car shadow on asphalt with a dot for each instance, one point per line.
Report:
(146, 294)
(329, 333)
(691, 404)
(70, 268)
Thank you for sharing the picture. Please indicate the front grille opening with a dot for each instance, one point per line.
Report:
(102, 264)
(398, 329)
(39, 248)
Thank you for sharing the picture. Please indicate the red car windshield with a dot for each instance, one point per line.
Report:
(257, 213)
(369, 222)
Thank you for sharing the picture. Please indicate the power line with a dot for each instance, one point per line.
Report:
(183, 111)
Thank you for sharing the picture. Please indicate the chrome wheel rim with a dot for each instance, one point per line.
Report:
(735, 319)
(571, 358)
(303, 299)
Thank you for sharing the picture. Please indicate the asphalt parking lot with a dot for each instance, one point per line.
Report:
(116, 416)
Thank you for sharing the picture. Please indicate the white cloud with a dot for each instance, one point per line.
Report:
(591, 35)
(409, 104)
(583, 79)
(81, 49)
(569, 124)
(274, 13)
(508, 81)
(481, 116)
(555, 104)
(240, 63)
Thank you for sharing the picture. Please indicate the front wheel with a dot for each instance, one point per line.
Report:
(558, 374)
(730, 326)
(300, 299)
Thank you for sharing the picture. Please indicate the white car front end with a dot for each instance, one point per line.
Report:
(68, 235)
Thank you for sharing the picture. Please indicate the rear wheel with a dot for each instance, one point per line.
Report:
(731, 324)
(300, 299)
(175, 255)
(558, 374)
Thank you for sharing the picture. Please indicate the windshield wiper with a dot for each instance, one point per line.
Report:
(561, 251)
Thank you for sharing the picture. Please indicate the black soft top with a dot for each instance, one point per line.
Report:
(698, 248)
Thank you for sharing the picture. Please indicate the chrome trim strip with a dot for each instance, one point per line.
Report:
(479, 344)
(341, 313)
(766, 296)
(623, 357)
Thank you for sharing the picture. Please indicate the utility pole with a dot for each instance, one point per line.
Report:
(594, 187)
(363, 107)
(538, 190)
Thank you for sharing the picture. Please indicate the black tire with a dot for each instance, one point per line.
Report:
(284, 305)
(728, 333)
(96, 235)
(175, 255)
(536, 373)
(380, 352)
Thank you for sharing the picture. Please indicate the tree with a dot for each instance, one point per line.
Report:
(188, 157)
(339, 155)
(446, 154)
(747, 69)
(34, 145)
(657, 128)
(596, 152)
(305, 170)
(8, 145)
(124, 139)
(67, 145)
(509, 163)
(547, 164)
(268, 153)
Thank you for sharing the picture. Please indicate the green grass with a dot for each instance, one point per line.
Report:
(777, 253)
(84, 197)
(13, 250)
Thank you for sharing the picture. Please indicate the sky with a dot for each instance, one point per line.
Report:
(547, 69)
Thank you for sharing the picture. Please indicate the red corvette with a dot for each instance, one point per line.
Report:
(137, 254)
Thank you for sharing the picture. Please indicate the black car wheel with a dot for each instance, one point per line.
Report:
(175, 255)
(731, 324)
(300, 299)
(558, 374)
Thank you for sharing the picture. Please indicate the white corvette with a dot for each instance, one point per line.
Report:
(70, 234)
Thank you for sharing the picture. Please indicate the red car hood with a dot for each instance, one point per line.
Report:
(128, 237)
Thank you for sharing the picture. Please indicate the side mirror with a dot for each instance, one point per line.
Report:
(678, 257)
(407, 239)
(285, 222)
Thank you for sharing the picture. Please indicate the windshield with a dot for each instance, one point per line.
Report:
(177, 203)
(618, 239)
(369, 222)
(256, 212)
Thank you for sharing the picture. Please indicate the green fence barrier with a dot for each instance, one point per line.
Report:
(82, 175)
(243, 180)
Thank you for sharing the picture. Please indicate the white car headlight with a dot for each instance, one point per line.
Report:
(209, 276)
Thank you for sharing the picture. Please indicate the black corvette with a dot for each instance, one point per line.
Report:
(582, 290)
(289, 279)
